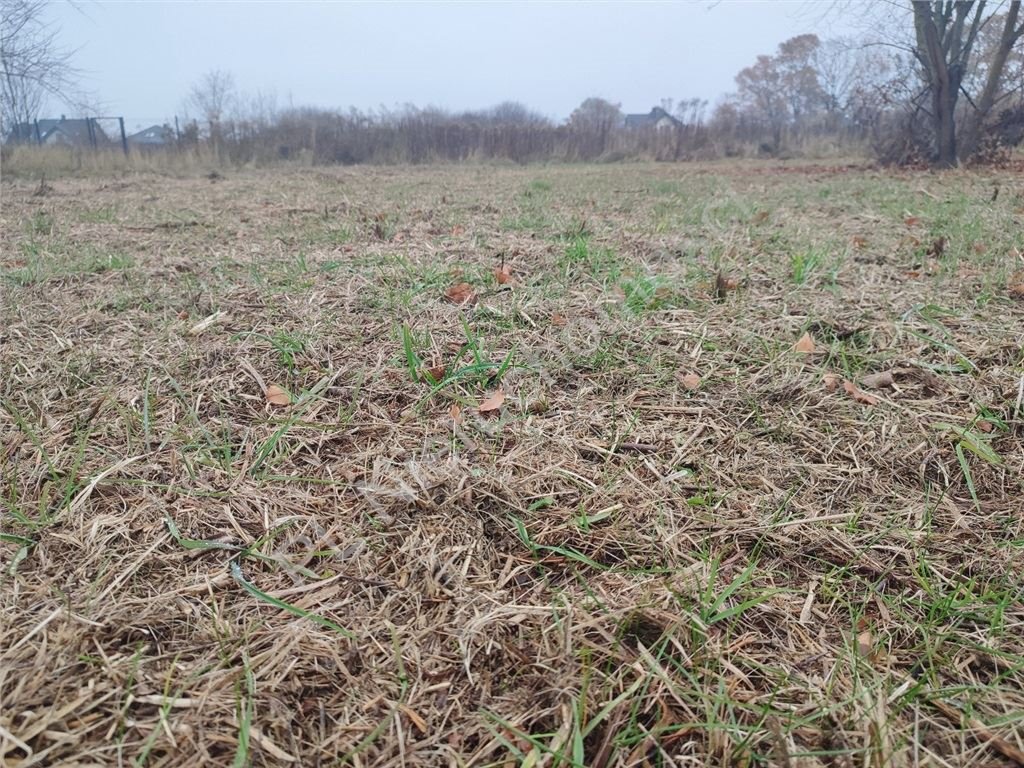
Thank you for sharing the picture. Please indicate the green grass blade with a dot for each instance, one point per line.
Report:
(245, 716)
(236, 571)
(187, 543)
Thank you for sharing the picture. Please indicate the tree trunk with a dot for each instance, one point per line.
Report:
(944, 119)
(943, 88)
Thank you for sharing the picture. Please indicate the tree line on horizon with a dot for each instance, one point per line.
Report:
(945, 85)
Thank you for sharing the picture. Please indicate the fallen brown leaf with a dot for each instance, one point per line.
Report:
(912, 221)
(278, 397)
(856, 394)
(859, 241)
(690, 381)
(760, 217)
(1016, 291)
(458, 230)
(493, 403)
(865, 643)
(460, 293)
(805, 344)
(456, 413)
(435, 372)
(503, 274)
(877, 380)
(557, 319)
(831, 382)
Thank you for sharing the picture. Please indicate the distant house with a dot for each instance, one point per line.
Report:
(83, 132)
(153, 137)
(657, 118)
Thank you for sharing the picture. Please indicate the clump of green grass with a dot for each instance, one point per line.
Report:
(581, 256)
(803, 263)
(648, 293)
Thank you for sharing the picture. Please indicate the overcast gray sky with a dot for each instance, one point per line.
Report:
(140, 58)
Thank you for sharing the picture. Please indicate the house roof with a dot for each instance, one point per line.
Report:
(74, 131)
(155, 134)
(651, 118)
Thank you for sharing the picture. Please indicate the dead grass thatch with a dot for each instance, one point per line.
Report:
(254, 513)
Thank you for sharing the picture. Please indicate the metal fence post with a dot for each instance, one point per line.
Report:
(124, 139)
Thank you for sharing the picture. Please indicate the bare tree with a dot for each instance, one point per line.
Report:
(516, 113)
(1012, 80)
(783, 90)
(840, 63)
(212, 97)
(946, 33)
(689, 111)
(596, 114)
(800, 81)
(33, 66)
(593, 122)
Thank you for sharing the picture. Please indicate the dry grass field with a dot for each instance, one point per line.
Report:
(624, 465)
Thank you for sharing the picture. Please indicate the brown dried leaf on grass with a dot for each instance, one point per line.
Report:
(831, 382)
(557, 319)
(503, 274)
(690, 381)
(878, 380)
(861, 397)
(724, 284)
(456, 413)
(865, 643)
(433, 374)
(460, 293)
(805, 344)
(493, 402)
(277, 396)
(1016, 290)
